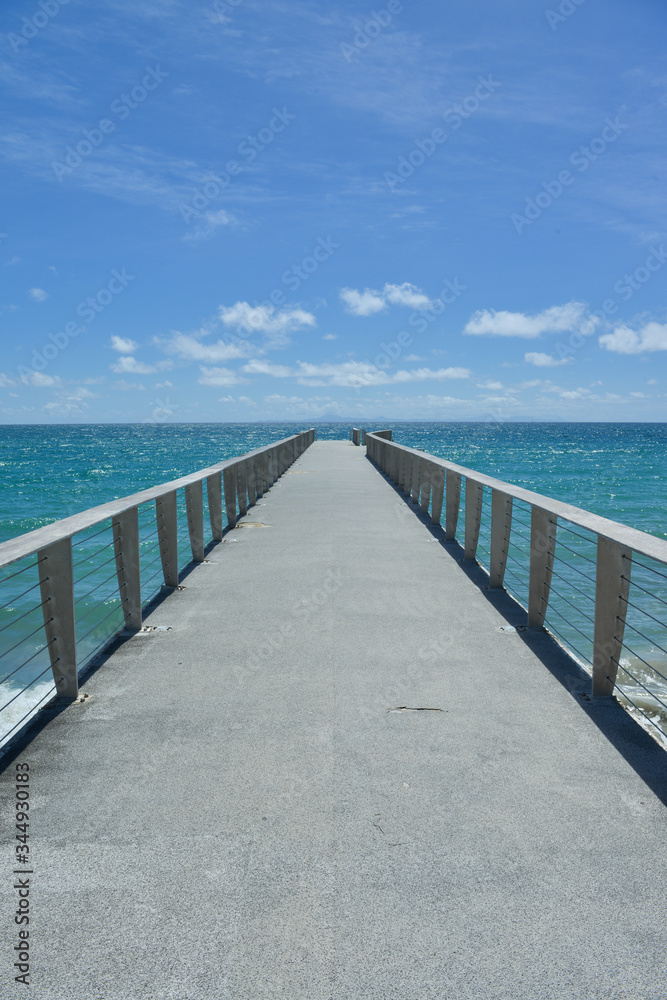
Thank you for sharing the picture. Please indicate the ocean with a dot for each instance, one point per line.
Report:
(49, 472)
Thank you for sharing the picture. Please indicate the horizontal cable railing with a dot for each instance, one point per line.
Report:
(598, 586)
(69, 588)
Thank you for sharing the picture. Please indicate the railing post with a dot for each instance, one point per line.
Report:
(214, 493)
(612, 589)
(543, 526)
(252, 481)
(426, 474)
(194, 509)
(167, 532)
(125, 529)
(56, 584)
(266, 482)
(402, 470)
(414, 478)
(242, 487)
(501, 525)
(438, 492)
(229, 480)
(407, 474)
(474, 498)
(453, 501)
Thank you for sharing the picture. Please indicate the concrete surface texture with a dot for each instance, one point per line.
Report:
(332, 777)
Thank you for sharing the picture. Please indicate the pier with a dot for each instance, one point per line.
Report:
(334, 758)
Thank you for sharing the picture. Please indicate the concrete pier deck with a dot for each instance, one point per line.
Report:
(243, 808)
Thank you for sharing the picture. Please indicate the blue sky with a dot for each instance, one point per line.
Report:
(247, 210)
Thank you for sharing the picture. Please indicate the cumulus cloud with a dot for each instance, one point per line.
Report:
(127, 365)
(313, 406)
(362, 303)
(372, 301)
(190, 348)
(427, 374)
(406, 295)
(557, 319)
(124, 386)
(40, 380)
(354, 374)
(246, 400)
(624, 340)
(544, 360)
(256, 367)
(579, 393)
(208, 224)
(218, 376)
(265, 318)
(38, 294)
(69, 403)
(123, 344)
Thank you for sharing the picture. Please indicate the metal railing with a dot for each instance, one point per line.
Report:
(70, 587)
(599, 586)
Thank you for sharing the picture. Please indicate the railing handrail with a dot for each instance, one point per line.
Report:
(31, 541)
(634, 538)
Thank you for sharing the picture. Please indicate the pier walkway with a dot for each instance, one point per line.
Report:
(327, 774)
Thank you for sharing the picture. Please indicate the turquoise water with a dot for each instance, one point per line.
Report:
(50, 472)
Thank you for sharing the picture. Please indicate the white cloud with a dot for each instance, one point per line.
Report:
(265, 319)
(426, 374)
(218, 376)
(330, 336)
(624, 340)
(371, 301)
(125, 386)
(314, 406)
(207, 226)
(39, 380)
(38, 294)
(557, 319)
(355, 374)
(127, 365)
(188, 347)
(575, 393)
(123, 344)
(70, 402)
(406, 295)
(544, 360)
(5, 381)
(362, 303)
(256, 367)
(490, 385)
